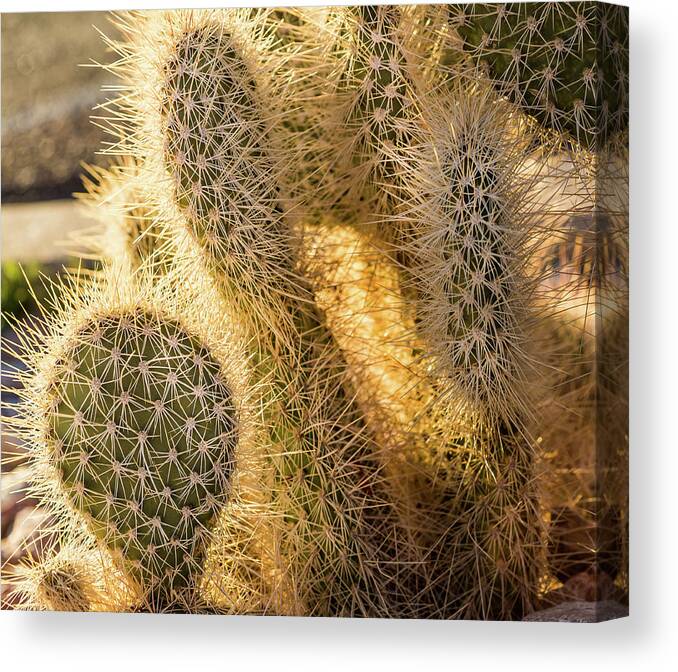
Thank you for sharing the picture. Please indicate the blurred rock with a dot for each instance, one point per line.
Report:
(47, 100)
(12, 449)
(590, 586)
(42, 231)
(580, 612)
(9, 597)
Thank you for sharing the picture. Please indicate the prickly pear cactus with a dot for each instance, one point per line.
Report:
(467, 251)
(221, 176)
(466, 254)
(233, 417)
(211, 116)
(566, 64)
(135, 426)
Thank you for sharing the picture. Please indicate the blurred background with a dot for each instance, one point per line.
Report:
(50, 85)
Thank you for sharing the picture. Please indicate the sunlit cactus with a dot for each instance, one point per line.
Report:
(200, 115)
(566, 64)
(143, 432)
(66, 581)
(370, 107)
(467, 243)
(468, 247)
(359, 316)
(128, 230)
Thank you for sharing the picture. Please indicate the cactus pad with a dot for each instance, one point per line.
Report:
(376, 107)
(465, 245)
(211, 116)
(143, 433)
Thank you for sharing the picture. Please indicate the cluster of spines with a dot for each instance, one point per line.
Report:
(134, 426)
(581, 263)
(64, 581)
(466, 247)
(372, 106)
(143, 435)
(464, 250)
(129, 230)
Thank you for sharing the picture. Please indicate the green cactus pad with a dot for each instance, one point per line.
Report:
(466, 243)
(564, 63)
(481, 328)
(379, 71)
(143, 431)
(378, 102)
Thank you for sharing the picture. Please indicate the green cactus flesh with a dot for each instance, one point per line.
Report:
(211, 112)
(378, 85)
(143, 432)
(565, 63)
(380, 64)
(481, 328)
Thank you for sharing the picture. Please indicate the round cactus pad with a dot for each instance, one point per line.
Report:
(143, 430)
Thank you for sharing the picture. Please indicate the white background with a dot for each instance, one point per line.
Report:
(648, 640)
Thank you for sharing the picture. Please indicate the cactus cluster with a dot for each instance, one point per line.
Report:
(137, 426)
(347, 258)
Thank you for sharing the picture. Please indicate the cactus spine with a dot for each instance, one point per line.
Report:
(128, 231)
(136, 426)
(64, 582)
(372, 107)
(466, 246)
(221, 178)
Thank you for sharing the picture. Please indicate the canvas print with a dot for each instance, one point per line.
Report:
(317, 311)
